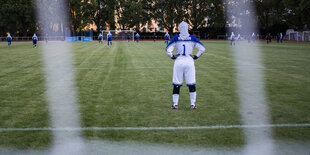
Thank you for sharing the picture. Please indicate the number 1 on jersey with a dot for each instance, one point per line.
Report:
(184, 51)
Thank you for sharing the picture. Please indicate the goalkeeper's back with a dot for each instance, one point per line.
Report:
(184, 46)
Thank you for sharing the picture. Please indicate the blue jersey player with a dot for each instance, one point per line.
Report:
(109, 36)
(34, 40)
(167, 37)
(100, 38)
(184, 63)
(137, 37)
(9, 38)
(253, 37)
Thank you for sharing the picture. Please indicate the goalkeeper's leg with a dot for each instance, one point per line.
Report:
(192, 94)
(175, 96)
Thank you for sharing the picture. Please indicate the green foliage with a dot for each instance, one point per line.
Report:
(283, 13)
(17, 16)
(132, 13)
(82, 13)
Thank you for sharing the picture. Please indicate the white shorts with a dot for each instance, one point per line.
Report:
(184, 66)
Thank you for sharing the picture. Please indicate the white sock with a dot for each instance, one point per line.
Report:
(175, 99)
(193, 97)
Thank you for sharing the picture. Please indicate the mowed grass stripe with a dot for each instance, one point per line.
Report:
(142, 97)
(129, 84)
(287, 84)
(22, 96)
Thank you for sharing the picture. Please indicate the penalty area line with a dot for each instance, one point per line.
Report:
(156, 128)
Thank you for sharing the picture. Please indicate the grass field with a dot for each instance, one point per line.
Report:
(129, 85)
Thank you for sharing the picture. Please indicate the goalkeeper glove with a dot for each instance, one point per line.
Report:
(175, 56)
(194, 57)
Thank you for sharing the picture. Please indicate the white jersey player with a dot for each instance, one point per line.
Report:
(184, 63)
(232, 39)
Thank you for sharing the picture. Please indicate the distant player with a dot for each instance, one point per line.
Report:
(154, 37)
(100, 38)
(109, 36)
(281, 37)
(239, 37)
(232, 39)
(9, 39)
(184, 63)
(46, 37)
(137, 37)
(253, 37)
(167, 38)
(34, 40)
(268, 38)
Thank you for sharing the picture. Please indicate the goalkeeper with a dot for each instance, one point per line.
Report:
(184, 63)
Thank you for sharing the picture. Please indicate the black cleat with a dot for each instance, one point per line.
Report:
(174, 107)
(193, 107)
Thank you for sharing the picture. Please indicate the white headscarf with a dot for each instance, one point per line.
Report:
(9, 35)
(183, 28)
(34, 35)
(109, 33)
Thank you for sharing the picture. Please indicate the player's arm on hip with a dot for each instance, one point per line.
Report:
(170, 47)
(200, 47)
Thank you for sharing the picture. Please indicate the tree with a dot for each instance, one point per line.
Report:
(270, 15)
(105, 13)
(132, 14)
(82, 13)
(17, 16)
(197, 12)
(169, 13)
(297, 13)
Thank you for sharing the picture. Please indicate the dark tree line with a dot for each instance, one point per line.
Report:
(18, 16)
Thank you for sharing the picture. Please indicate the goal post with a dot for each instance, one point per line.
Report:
(306, 35)
(119, 34)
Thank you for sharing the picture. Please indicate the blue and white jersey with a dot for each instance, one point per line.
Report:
(232, 37)
(34, 37)
(184, 46)
(100, 36)
(109, 36)
(253, 35)
(9, 38)
(137, 36)
(167, 36)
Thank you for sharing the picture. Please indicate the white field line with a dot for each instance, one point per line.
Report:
(158, 128)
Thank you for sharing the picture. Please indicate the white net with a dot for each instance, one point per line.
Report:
(119, 34)
(306, 36)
